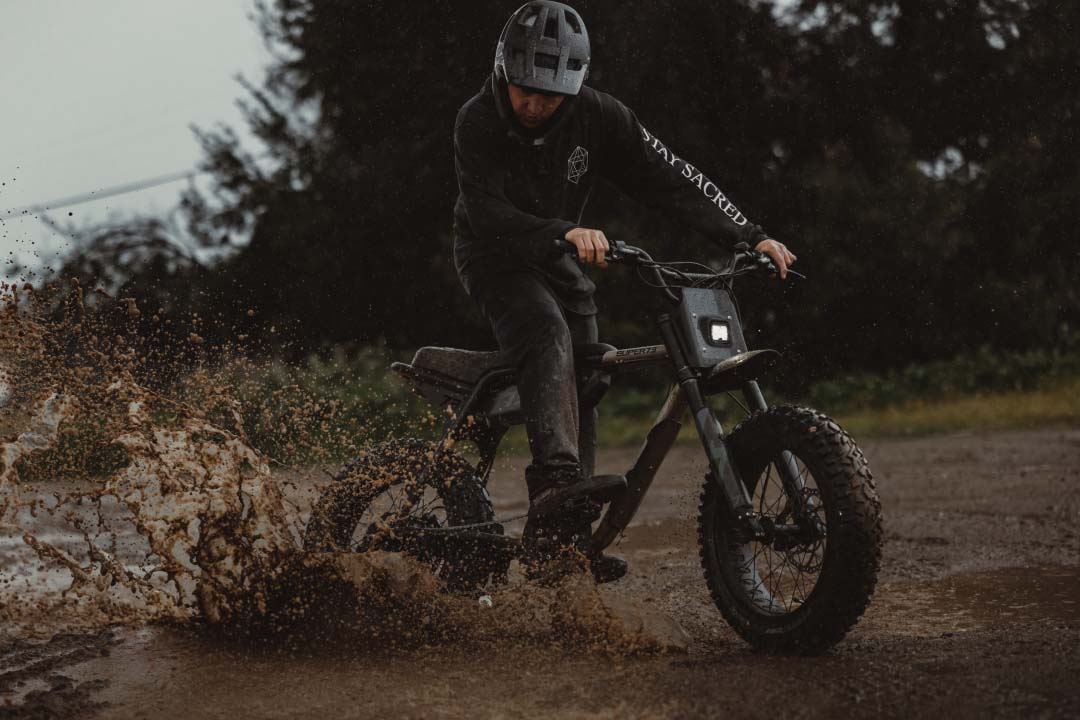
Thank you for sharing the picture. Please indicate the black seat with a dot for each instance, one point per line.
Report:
(464, 365)
(468, 365)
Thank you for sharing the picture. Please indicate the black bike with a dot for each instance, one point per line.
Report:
(790, 522)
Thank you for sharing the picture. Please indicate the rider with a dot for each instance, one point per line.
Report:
(528, 148)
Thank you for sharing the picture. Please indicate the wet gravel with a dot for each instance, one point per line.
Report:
(977, 615)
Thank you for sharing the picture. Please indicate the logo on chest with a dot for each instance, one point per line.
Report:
(577, 165)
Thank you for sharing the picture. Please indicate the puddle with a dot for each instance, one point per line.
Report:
(1009, 595)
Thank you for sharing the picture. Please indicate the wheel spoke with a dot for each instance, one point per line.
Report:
(779, 581)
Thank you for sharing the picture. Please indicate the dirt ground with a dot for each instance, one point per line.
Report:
(977, 614)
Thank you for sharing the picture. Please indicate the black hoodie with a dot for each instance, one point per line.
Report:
(521, 190)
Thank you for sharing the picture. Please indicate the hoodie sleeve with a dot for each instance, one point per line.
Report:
(643, 167)
(492, 217)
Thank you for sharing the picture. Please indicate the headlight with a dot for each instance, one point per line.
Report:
(718, 332)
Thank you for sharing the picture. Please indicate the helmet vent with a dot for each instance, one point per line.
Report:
(548, 62)
(551, 28)
(573, 64)
(530, 19)
(572, 21)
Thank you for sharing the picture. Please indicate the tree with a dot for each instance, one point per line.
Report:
(919, 157)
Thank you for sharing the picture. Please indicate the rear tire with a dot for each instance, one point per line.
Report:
(765, 594)
(356, 498)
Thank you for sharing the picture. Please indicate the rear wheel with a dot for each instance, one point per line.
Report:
(805, 587)
(396, 497)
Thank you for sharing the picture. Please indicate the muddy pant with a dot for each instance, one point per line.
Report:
(538, 335)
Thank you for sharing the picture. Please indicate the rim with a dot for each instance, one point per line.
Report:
(394, 506)
(778, 578)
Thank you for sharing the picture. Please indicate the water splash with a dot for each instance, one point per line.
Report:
(133, 495)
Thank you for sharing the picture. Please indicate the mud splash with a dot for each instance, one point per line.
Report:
(211, 529)
(131, 494)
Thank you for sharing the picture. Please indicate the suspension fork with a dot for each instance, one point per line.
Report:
(786, 467)
(711, 433)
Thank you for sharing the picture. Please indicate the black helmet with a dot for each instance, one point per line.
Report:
(544, 46)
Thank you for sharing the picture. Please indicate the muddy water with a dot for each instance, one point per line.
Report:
(1049, 595)
(131, 501)
(975, 617)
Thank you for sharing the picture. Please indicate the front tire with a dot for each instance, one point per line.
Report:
(802, 596)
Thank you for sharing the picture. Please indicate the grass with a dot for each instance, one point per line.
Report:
(1055, 406)
(978, 390)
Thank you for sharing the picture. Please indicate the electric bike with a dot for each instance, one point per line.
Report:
(789, 522)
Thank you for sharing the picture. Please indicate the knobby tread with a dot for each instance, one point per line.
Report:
(853, 554)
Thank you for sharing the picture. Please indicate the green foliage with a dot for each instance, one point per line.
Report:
(1055, 405)
(982, 371)
(328, 407)
(82, 451)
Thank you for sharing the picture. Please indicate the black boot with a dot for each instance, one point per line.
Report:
(559, 528)
(561, 534)
(607, 568)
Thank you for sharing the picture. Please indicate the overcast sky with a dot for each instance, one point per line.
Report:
(98, 94)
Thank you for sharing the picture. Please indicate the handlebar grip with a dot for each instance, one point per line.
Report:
(765, 262)
(618, 252)
(564, 247)
(754, 258)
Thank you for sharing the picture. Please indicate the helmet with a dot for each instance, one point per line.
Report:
(544, 46)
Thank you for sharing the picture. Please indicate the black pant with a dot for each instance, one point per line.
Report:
(539, 336)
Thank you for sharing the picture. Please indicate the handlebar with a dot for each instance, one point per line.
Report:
(751, 261)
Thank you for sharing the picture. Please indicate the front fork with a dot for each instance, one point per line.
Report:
(786, 466)
(722, 469)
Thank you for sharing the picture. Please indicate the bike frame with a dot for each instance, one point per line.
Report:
(485, 410)
(685, 395)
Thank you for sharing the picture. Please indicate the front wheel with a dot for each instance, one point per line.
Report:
(805, 586)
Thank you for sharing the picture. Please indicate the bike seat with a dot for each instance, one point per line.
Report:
(469, 365)
(464, 365)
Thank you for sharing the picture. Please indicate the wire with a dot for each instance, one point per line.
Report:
(113, 191)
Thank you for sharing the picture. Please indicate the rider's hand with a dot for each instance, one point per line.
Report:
(780, 255)
(591, 245)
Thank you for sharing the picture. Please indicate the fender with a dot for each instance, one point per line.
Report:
(732, 373)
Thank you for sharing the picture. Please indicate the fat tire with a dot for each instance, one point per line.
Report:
(337, 512)
(854, 531)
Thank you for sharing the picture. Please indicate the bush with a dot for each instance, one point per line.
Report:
(328, 408)
(984, 370)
